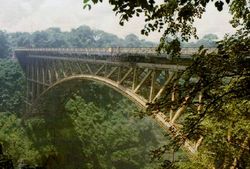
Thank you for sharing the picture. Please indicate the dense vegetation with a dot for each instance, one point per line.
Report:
(90, 126)
(83, 125)
(83, 129)
(93, 129)
(222, 78)
(81, 37)
(12, 86)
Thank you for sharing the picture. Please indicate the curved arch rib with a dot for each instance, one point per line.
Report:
(160, 117)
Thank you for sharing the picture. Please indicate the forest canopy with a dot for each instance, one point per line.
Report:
(81, 37)
(222, 78)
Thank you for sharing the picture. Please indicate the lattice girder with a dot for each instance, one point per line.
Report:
(141, 82)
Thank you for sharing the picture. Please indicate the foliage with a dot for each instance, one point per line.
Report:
(208, 41)
(111, 139)
(227, 103)
(12, 87)
(15, 141)
(221, 77)
(224, 121)
(176, 18)
(4, 45)
(81, 37)
(81, 134)
(84, 135)
(20, 39)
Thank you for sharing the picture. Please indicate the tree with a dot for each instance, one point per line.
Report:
(210, 37)
(73, 132)
(20, 39)
(57, 39)
(4, 45)
(132, 40)
(111, 139)
(12, 89)
(175, 17)
(40, 39)
(15, 140)
(82, 37)
(222, 78)
(53, 37)
(208, 41)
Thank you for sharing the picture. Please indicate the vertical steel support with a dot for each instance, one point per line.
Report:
(43, 78)
(180, 110)
(173, 94)
(49, 76)
(199, 108)
(63, 69)
(28, 88)
(173, 97)
(71, 69)
(32, 82)
(105, 69)
(134, 79)
(119, 74)
(152, 86)
(55, 70)
(37, 77)
(198, 143)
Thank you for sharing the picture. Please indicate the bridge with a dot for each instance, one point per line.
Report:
(140, 74)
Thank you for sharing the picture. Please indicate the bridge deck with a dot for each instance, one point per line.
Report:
(140, 74)
(110, 51)
(131, 55)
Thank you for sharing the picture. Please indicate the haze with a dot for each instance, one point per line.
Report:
(33, 15)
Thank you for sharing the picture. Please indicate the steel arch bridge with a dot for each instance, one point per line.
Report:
(139, 74)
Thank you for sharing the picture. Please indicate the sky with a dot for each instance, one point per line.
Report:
(33, 15)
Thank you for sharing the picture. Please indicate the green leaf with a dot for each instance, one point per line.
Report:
(85, 1)
(87, 6)
(138, 10)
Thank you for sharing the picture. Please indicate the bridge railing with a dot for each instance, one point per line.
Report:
(109, 51)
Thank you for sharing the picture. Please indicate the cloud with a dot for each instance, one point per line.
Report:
(215, 22)
(32, 15)
(12, 11)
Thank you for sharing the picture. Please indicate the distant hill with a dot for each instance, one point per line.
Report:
(81, 37)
